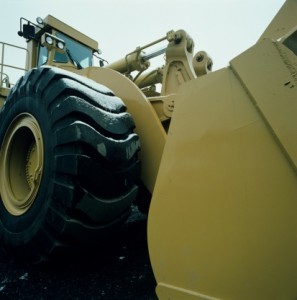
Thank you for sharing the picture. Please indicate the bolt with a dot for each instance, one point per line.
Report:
(200, 57)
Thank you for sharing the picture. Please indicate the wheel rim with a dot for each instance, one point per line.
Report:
(21, 164)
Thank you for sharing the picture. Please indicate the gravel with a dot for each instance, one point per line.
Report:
(117, 269)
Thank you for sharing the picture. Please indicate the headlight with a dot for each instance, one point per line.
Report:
(39, 21)
(53, 43)
(49, 40)
(60, 45)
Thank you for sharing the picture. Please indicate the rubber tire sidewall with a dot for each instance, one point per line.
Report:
(19, 229)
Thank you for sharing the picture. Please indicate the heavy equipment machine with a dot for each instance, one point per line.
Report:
(212, 154)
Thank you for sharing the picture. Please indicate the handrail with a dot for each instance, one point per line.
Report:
(3, 65)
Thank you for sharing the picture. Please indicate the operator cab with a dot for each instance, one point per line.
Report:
(52, 42)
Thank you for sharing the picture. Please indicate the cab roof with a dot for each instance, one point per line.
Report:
(54, 23)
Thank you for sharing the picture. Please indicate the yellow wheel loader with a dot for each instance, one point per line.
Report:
(211, 156)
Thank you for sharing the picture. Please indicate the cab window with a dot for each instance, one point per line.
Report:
(77, 53)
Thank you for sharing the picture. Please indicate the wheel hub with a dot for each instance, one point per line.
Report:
(21, 164)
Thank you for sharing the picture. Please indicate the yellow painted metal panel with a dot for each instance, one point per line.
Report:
(227, 193)
(171, 292)
(274, 92)
(283, 22)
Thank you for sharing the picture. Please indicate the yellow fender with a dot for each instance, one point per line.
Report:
(148, 126)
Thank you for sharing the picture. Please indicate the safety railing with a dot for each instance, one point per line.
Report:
(9, 52)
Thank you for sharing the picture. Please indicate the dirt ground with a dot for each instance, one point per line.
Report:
(119, 269)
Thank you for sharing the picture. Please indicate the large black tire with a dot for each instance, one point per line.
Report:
(68, 163)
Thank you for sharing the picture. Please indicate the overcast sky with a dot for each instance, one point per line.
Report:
(223, 28)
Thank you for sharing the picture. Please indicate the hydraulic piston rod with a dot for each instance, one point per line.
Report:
(154, 54)
(137, 60)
